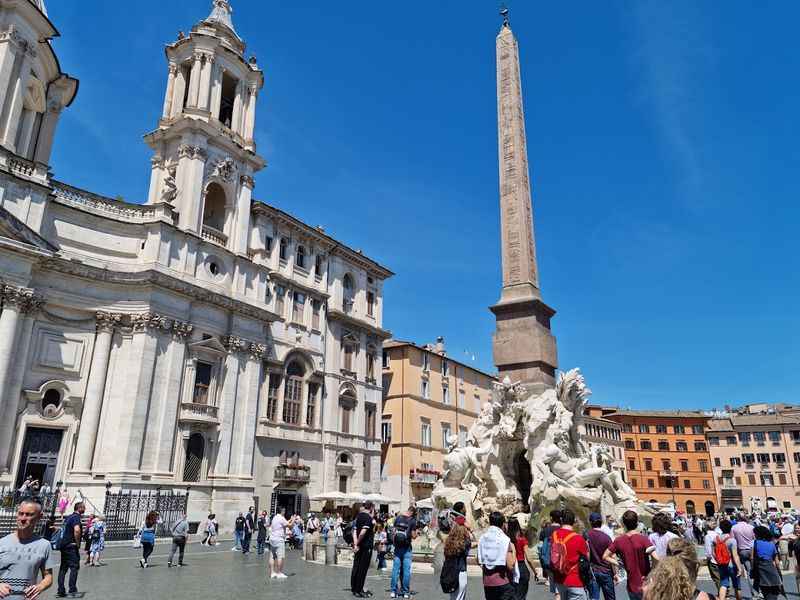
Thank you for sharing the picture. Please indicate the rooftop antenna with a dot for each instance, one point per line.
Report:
(504, 14)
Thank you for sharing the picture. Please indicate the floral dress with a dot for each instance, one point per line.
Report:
(98, 537)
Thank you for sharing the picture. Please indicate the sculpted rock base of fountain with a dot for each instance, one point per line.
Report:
(525, 455)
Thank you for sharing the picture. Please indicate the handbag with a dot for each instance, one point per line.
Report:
(137, 541)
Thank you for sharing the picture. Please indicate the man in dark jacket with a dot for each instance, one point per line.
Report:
(249, 526)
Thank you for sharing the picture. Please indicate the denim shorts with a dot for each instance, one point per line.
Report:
(727, 575)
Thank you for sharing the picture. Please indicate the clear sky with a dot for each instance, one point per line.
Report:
(663, 152)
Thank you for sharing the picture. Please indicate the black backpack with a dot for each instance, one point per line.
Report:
(402, 537)
(347, 532)
(448, 578)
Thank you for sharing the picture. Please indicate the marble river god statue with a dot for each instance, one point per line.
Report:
(525, 455)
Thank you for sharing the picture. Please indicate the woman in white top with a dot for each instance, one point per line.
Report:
(662, 534)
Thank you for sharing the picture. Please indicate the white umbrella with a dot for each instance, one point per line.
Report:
(335, 496)
(426, 503)
(381, 499)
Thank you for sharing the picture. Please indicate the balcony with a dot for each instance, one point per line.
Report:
(202, 414)
(295, 474)
(215, 236)
(423, 477)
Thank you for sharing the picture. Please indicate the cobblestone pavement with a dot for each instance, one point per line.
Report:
(220, 573)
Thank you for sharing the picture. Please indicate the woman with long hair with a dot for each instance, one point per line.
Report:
(670, 580)
(147, 537)
(456, 548)
(663, 532)
(686, 552)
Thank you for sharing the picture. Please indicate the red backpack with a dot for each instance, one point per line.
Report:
(558, 554)
(721, 553)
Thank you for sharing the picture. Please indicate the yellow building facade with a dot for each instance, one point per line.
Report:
(428, 397)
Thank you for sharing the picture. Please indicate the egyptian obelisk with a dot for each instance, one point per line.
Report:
(524, 348)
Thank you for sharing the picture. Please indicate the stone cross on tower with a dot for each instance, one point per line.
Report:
(524, 348)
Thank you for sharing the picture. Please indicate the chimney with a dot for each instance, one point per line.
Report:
(440, 345)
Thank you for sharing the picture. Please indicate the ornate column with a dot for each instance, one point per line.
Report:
(168, 96)
(250, 118)
(47, 131)
(205, 82)
(238, 101)
(17, 100)
(14, 298)
(8, 418)
(95, 388)
(194, 80)
(241, 233)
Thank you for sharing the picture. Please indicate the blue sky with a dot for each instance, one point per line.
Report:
(663, 152)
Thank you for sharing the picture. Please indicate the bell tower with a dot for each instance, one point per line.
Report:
(204, 154)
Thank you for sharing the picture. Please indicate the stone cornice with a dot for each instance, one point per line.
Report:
(334, 314)
(156, 278)
(281, 279)
(433, 404)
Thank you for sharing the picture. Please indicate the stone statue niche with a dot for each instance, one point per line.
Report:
(524, 455)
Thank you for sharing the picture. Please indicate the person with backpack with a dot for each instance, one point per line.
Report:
(545, 538)
(261, 540)
(453, 577)
(498, 560)
(726, 555)
(69, 545)
(567, 548)
(405, 532)
(635, 549)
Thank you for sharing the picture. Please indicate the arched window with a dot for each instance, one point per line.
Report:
(689, 507)
(283, 457)
(293, 393)
(347, 405)
(709, 506)
(195, 450)
(348, 291)
(214, 207)
(300, 259)
(51, 401)
(344, 459)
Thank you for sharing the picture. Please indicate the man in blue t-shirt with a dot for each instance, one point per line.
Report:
(405, 532)
(70, 551)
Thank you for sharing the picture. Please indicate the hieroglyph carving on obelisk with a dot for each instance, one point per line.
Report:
(516, 214)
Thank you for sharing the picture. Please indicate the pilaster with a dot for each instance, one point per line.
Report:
(234, 365)
(170, 93)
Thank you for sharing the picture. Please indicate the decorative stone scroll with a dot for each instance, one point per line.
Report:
(187, 151)
(107, 321)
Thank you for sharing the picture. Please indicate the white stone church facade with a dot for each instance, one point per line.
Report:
(200, 339)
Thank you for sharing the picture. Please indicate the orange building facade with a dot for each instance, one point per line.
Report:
(667, 458)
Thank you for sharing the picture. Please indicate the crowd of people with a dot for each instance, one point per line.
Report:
(578, 561)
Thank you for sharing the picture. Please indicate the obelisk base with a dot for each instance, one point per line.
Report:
(524, 348)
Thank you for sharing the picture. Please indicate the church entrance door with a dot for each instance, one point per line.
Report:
(40, 455)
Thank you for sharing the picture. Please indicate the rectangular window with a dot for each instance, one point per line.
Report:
(736, 461)
(445, 395)
(796, 457)
(706, 484)
(462, 399)
(202, 383)
(781, 478)
(687, 484)
(663, 445)
(661, 429)
(748, 459)
(631, 464)
(280, 296)
(703, 464)
(717, 462)
(778, 457)
(311, 404)
(425, 389)
(681, 446)
(369, 421)
(462, 436)
(316, 306)
(630, 445)
(272, 395)
(386, 360)
(298, 307)
(371, 304)
(648, 464)
(343, 484)
(627, 428)
(425, 433)
(386, 432)
(700, 447)
(744, 438)
(751, 478)
(367, 468)
(445, 434)
(644, 428)
(426, 361)
(763, 458)
(347, 416)
(714, 441)
(292, 399)
(730, 440)
(445, 367)
(697, 429)
(766, 480)
(665, 464)
(651, 483)
(679, 429)
(477, 403)
(684, 465)
(774, 436)
(347, 359)
(646, 445)
(795, 433)
(371, 367)
(635, 482)
(760, 437)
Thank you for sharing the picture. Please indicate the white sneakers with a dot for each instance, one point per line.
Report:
(277, 576)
